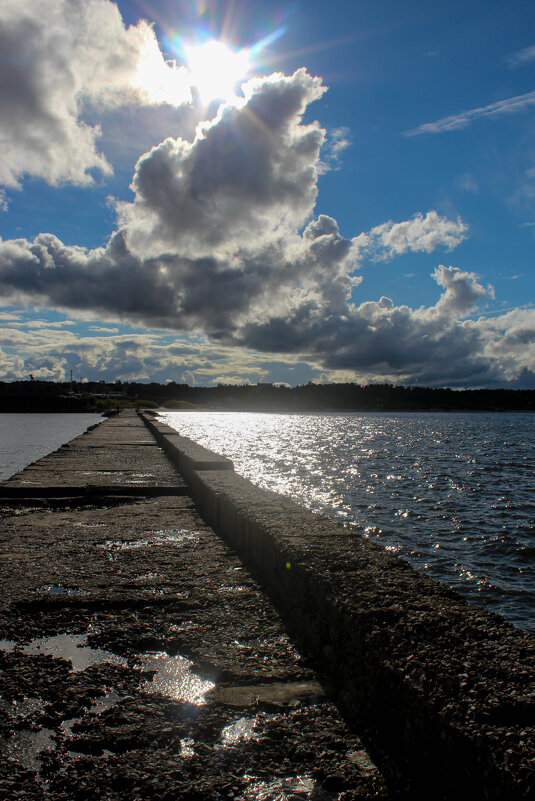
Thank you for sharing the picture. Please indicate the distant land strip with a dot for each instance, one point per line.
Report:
(100, 396)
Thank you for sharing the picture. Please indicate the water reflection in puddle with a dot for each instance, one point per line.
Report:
(173, 677)
(101, 704)
(74, 648)
(25, 746)
(242, 729)
(186, 748)
(50, 589)
(89, 525)
(234, 588)
(161, 537)
(283, 789)
(172, 674)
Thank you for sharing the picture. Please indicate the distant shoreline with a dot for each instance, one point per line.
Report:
(101, 397)
(230, 409)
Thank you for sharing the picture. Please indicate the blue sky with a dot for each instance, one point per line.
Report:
(362, 210)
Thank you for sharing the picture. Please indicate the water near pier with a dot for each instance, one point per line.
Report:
(453, 493)
(27, 437)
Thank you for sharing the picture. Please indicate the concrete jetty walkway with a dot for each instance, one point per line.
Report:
(170, 631)
(138, 658)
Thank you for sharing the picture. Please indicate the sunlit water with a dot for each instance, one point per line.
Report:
(452, 493)
(24, 438)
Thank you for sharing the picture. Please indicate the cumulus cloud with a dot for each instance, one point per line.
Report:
(336, 142)
(420, 234)
(249, 173)
(462, 292)
(509, 339)
(220, 241)
(212, 237)
(58, 56)
(398, 343)
(128, 356)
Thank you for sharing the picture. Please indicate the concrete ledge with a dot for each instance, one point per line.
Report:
(443, 688)
(159, 430)
(184, 453)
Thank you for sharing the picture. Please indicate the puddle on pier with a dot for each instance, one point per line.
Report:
(232, 589)
(72, 647)
(25, 746)
(174, 678)
(161, 537)
(285, 789)
(101, 704)
(89, 525)
(187, 749)
(242, 730)
(51, 589)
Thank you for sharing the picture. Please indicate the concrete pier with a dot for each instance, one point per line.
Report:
(443, 691)
(172, 631)
(138, 657)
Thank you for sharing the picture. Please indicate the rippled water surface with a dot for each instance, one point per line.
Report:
(453, 493)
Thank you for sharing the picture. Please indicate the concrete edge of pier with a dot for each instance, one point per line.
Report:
(442, 689)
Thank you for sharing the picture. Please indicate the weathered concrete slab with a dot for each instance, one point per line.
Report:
(115, 458)
(139, 659)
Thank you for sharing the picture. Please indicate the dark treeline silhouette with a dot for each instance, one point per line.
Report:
(44, 396)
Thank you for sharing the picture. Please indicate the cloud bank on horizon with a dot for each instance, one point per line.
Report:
(220, 243)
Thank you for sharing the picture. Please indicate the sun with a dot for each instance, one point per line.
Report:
(215, 69)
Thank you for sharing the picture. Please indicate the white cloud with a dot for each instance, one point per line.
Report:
(521, 57)
(220, 241)
(420, 234)
(336, 142)
(509, 339)
(510, 105)
(130, 356)
(100, 329)
(8, 316)
(431, 345)
(462, 292)
(56, 57)
(248, 175)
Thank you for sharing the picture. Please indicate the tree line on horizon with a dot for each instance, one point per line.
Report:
(35, 395)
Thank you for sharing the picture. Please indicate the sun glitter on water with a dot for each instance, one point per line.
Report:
(215, 69)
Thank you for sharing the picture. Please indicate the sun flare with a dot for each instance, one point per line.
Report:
(215, 69)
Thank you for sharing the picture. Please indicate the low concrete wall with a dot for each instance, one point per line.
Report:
(441, 690)
(186, 454)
